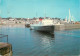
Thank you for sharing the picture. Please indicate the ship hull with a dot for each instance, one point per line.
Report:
(48, 28)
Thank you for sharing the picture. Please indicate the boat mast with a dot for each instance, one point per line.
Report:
(69, 16)
(44, 13)
(36, 15)
(66, 18)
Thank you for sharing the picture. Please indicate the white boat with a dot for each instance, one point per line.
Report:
(45, 25)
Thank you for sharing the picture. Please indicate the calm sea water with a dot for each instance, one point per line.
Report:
(26, 42)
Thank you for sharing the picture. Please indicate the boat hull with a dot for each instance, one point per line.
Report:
(43, 28)
(27, 25)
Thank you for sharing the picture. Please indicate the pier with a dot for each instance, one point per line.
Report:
(5, 48)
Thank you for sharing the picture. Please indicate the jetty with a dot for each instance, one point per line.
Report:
(5, 47)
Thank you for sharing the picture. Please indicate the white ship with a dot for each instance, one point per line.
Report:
(45, 25)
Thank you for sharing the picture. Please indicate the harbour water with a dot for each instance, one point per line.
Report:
(26, 42)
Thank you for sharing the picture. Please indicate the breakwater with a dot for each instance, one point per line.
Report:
(67, 27)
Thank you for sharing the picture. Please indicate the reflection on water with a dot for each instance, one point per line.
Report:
(28, 42)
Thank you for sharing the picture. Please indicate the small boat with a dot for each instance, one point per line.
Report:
(27, 24)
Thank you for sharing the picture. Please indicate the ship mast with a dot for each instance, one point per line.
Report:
(66, 18)
(69, 16)
(44, 13)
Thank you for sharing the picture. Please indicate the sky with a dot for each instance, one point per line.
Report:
(40, 8)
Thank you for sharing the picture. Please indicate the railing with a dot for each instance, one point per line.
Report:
(2, 36)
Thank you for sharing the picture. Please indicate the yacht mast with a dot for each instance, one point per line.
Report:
(69, 16)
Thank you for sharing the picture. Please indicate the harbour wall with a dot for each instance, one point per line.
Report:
(67, 27)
